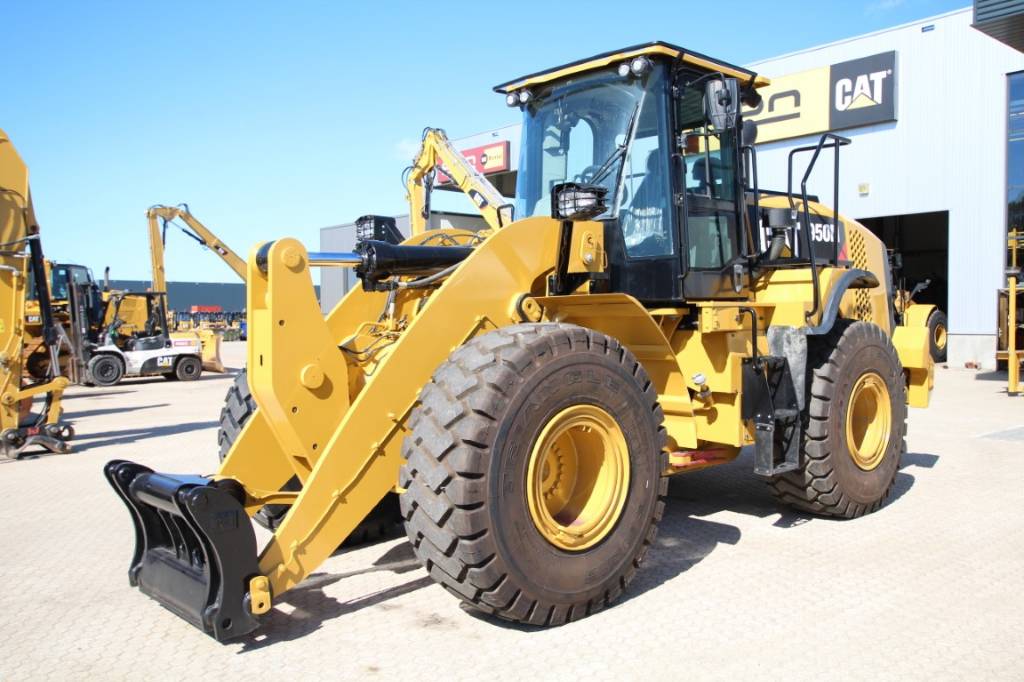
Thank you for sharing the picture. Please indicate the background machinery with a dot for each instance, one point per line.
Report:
(158, 219)
(1010, 348)
(910, 312)
(528, 390)
(136, 341)
(23, 276)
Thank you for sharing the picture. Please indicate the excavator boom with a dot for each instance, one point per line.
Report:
(437, 151)
(158, 217)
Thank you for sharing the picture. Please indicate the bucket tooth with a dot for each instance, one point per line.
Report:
(195, 549)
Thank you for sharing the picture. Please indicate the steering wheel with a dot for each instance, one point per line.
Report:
(586, 175)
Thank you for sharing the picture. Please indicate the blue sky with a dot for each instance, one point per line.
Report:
(276, 119)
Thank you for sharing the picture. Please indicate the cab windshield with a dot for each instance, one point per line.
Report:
(604, 129)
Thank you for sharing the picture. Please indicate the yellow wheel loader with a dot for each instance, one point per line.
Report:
(23, 276)
(649, 311)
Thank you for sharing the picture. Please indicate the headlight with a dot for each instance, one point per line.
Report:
(511, 99)
(573, 201)
(525, 96)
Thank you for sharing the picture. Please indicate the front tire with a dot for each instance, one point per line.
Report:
(854, 424)
(524, 496)
(105, 370)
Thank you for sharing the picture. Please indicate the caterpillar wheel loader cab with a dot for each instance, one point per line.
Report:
(23, 277)
(649, 312)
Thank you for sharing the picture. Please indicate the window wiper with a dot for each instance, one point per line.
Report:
(620, 150)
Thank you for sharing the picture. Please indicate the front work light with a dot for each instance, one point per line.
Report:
(635, 67)
(511, 99)
(378, 228)
(639, 66)
(573, 201)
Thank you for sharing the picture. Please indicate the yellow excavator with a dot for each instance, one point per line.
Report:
(22, 267)
(436, 153)
(648, 312)
(158, 219)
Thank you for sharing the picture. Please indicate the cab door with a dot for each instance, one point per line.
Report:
(708, 184)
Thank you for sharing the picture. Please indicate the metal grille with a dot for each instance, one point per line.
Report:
(859, 255)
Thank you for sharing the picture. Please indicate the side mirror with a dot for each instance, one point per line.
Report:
(722, 102)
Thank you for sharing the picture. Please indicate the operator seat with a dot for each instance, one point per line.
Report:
(644, 223)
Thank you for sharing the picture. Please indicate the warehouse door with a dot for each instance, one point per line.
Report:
(922, 240)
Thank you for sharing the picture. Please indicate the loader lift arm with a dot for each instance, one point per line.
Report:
(437, 151)
(159, 217)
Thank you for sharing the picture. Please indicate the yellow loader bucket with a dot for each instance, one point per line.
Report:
(211, 350)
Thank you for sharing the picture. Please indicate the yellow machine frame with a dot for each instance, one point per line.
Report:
(19, 237)
(335, 394)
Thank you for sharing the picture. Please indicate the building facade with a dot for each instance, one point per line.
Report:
(932, 166)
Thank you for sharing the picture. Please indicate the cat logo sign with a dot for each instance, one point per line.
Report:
(846, 95)
(866, 92)
(863, 91)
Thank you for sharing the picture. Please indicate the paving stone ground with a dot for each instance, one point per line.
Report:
(931, 586)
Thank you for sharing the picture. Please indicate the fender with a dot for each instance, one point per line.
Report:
(851, 279)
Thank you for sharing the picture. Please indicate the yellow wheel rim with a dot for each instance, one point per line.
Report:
(578, 477)
(869, 421)
(940, 336)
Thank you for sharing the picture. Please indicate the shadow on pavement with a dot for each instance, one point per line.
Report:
(93, 393)
(999, 375)
(105, 439)
(71, 416)
(312, 607)
(684, 540)
(141, 381)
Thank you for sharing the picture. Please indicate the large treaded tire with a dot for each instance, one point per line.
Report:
(465, 506)
(383, 521)
(829, 482)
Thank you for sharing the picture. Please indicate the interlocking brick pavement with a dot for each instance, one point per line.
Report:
(929, 586)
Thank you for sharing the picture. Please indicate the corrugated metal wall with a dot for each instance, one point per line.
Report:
(946, 151)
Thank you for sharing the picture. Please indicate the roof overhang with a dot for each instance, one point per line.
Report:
(656, 48)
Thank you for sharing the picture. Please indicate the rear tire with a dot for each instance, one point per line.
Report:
(381, 523)
(849, 472)
(483, 424)
(188, 368)
(938, 333)
(105, 370)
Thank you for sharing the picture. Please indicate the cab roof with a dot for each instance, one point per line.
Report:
(656, 48)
